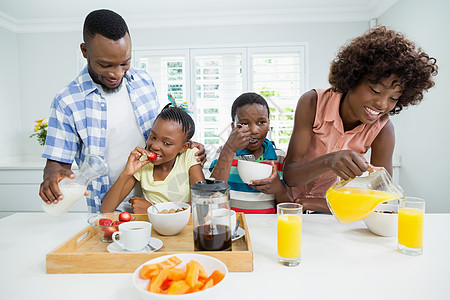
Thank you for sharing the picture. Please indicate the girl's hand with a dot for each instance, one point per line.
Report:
(134, 163)
(239, 138)
(271, 185)
(346, 164)
(140, 205)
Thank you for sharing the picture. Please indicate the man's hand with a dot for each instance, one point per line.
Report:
(54, 172)
(201, 154)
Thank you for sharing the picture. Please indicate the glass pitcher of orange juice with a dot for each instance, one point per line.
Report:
(354, 199)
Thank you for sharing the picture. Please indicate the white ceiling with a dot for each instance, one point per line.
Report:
(62, 15)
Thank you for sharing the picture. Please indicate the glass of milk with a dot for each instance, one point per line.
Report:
(73, 189)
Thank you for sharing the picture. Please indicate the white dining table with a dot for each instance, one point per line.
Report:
(339, 261)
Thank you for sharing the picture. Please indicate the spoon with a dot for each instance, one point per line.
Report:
(151, 247)
(235, 234)
(153, 204)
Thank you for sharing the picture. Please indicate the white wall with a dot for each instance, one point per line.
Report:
(47, 62)
(10, 124)
(422, 132)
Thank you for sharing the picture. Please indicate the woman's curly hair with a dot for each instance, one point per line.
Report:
(381, 53)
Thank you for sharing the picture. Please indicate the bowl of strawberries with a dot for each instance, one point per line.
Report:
(108, 223)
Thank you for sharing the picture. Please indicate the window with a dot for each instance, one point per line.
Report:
(169, 73)
(278, 74)
(209, 79)
(218, 81)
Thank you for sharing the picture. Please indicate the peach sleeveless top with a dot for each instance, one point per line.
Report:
(329, 136)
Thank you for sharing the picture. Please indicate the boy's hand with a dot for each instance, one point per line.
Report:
(201, 154)
(271, 185)
(239, 138)
(134, 163)
(346, 164)
(140, 205)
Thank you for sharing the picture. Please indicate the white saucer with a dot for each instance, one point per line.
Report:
(156, 243)
(240, 232)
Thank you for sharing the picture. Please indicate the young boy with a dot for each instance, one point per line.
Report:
(247, 141)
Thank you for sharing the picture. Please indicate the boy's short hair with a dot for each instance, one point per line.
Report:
(180, 116)
(248, 98)
(380, 53)
(106, 23)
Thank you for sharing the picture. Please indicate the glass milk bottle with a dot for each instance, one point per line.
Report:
(73, 189)
(211, 232)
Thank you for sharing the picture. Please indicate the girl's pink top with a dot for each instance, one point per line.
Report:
(329, 136)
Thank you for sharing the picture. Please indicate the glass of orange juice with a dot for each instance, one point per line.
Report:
(411, 211)
(289, 228)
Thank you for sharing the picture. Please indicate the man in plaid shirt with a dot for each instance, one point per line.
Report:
(107, 110)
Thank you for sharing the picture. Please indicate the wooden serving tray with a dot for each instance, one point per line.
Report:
(86, 253)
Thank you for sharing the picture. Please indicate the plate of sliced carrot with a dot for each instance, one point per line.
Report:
(180, 276)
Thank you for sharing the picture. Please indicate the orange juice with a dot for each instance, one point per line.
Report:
(350, 204)
(289, 235)
(410, 227)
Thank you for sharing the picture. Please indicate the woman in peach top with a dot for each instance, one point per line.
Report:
(374, 76)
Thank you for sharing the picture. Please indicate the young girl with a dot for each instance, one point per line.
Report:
(376, 75)
(167, 167)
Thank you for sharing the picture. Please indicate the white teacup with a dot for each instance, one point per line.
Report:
(220, 216)
(134, 235)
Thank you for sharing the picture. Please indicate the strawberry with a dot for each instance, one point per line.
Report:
(116, 223)
(152, 156)
(104, 222)
(109, 232)
(125, 217)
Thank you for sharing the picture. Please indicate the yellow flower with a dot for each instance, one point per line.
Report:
(40, 121)
(40, 129)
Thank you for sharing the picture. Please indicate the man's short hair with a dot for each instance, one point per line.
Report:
(106, 23)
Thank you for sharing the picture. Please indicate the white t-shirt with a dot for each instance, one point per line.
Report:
(123, 135)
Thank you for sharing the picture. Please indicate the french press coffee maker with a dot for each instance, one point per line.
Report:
(210, 232)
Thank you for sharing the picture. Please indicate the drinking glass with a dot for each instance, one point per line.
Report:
(289, 228)
(411, 212)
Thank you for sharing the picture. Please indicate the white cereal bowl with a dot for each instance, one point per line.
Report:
(382, 221)
(209, 263)
(250, 170)
(169, 224)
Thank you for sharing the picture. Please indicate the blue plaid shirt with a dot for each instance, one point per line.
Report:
(77, 123)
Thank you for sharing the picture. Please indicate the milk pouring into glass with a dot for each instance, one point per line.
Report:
(73, 189)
